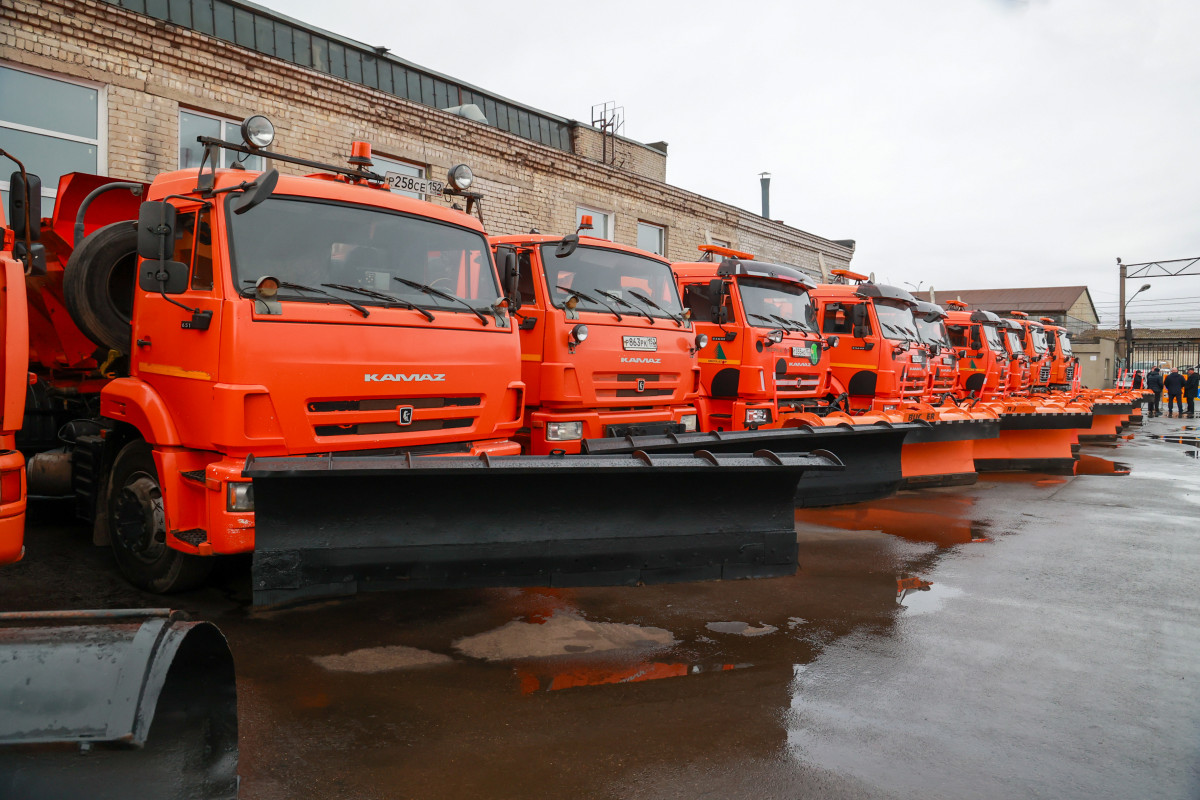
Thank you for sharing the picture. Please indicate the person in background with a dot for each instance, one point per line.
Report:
(1154, 382)
(1137, 379)
(1191, 388)
(1173, 383)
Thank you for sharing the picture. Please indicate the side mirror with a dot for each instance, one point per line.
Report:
(716, 291)
(810, 316)
(25, 205)
(156, 230)
(167, 277)
(721, 315)
(256, 192)
(976, 339)
(860, 331)
(858, 317)
(934, 349)
(567, 245)
(510, 275)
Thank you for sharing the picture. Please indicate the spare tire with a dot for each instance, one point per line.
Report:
(98, 285)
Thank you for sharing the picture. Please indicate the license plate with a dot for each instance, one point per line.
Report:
(411, 183)
(918, 358)
(644, 343)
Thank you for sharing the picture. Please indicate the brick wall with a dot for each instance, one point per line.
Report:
(152, 69)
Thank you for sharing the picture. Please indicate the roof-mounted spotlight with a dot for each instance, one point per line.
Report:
(257, 131)
(461, 177)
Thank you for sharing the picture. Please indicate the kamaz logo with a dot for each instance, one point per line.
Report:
(637, 360)
(405, 377)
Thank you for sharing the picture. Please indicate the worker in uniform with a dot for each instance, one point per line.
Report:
(1154, 382)
(1190, 389)
(1173, 383)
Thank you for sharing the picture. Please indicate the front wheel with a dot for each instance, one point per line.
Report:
(138, 525)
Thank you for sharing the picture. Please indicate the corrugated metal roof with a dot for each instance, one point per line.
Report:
(1040, 299)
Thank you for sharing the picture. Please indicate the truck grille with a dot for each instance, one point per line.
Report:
(797, 384)
(614, 385)
(380, 416)
(1044, 375)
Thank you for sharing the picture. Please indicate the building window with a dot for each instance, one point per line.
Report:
(52, 125)
(383, 165)
(652, 238)
(601, 222)
(197, 123)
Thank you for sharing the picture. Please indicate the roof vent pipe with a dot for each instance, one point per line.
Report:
(764, 178)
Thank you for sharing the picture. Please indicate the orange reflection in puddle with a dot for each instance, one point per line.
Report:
(1094, 465)
(942, 519)
(543, 678)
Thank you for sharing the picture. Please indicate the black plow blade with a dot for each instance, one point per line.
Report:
(339, 525)
(116, 704)
(871, 454)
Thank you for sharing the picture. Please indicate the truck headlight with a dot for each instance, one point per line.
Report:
(461, 177)
(757, 416)
(240, 497)
(701, 341)
(689, 423)
(257, 131)
(563, 431)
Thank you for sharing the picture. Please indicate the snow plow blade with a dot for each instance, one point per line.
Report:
(1039, 442)
(116, 704)
(1108, 418)
(871, 454)
(943, 454)
(340, 525)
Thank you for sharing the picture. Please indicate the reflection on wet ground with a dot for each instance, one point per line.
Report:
(943, 643)
(1095, 465)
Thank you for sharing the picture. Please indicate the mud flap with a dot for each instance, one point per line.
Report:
(1038, 442)
(871, 454)
(116, 704)
(338, 525)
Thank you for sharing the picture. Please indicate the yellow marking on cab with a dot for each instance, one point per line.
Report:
(867, 366)
(733, 361)
(530, 357)
(174, 372)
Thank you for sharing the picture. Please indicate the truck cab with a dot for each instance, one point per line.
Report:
(764, 360)
(940, 354)
(978, 341)
(879, 357)
(14, 378)
(1032, 337)
(1064, 364)
(606, 348)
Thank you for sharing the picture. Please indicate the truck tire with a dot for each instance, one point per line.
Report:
(138, 527)
(98, 285)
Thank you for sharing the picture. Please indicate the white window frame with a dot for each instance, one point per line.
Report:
(224, 134)
(662, 236)
(381, 166)
(609, 216)
(50, 182)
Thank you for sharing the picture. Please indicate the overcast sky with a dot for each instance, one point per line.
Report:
(962, 143)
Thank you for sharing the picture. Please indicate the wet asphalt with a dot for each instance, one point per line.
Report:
(1028, 636)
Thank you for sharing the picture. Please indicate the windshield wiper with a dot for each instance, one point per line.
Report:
(391, 298)
(799, 325)
(767, 320)
(303, 288)
(617, 298)
(590, 299)
(651, 303)
(427, 289)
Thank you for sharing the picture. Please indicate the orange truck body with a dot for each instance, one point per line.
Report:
(1064, 364)
(633, 373)
(978, 339)
(1032, 335)
(14, 327)
(760, 368)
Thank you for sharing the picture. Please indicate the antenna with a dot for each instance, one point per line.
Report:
(610, 119)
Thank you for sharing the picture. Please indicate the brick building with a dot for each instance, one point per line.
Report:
(1069, 306)
(123, 87)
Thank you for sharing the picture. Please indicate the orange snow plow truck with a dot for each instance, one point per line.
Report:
(326, 374)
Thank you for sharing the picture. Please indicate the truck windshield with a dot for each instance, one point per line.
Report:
(933, 332)
(316, 243)
(897, 321)
(775, 304)
(1065, 342)
(1014, 342)
(992, 333)
(614, 277)
(1039, 340)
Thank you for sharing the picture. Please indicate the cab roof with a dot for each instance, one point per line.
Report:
(531, 239)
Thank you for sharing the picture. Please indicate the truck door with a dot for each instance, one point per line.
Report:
(171, 354)
(532, 323)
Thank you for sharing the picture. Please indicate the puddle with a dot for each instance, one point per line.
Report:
(942, 519)
(1095, 465)
(1049, 481)
(1189, 440)
(740, 628)
(381, 659)
(561, 634)
(927, 600)
(534, 680)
